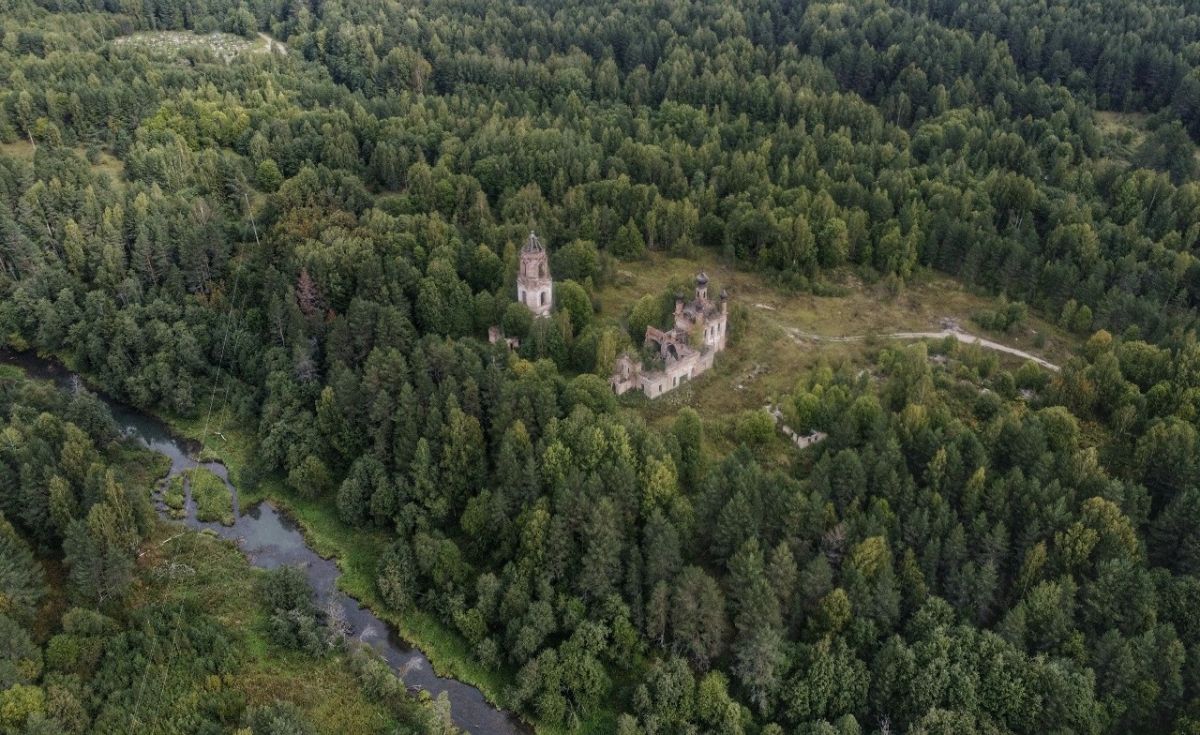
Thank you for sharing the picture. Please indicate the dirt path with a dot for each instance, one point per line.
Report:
(969, 338)
(273, 45)
(951, 331)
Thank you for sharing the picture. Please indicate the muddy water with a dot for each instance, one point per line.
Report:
(270, 539)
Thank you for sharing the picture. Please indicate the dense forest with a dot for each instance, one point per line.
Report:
(313, 241)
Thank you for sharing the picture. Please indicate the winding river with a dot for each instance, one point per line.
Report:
(270, 539)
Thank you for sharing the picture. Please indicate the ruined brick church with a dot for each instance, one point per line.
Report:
(676, 355)
(684, 351)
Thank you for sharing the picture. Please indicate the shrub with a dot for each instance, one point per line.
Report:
(754, 428)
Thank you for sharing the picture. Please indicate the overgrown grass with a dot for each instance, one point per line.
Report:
(200, 569)
(175, 497)
(213, 500)
(137, 466)
(105, 163)
(770, 354)
(171, 44)
(1123, 132)
(19, 149)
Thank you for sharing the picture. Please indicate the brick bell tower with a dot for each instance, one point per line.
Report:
(535, 287)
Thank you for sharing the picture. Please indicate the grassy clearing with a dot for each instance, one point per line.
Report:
(213, 500)
(767, 359)
(48, 620)
(112, 166)
(225, 45)
(1123, 132)
(21, 150)
(105, 163)
(212, 574)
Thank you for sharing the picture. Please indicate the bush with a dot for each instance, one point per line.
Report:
(376, 678)
(578, 261)
(517, 321)
(396, 576)
(1007, 319)
(294, 623)
(754, 428)
(174, 497)
(286, 588)
(268, 177)
(310, 478)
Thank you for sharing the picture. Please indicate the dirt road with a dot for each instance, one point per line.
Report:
(951, 331)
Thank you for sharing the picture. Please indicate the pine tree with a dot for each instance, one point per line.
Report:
(463, 464)
(697, 613)
(689, 433)
(423, 483)
(600, 568)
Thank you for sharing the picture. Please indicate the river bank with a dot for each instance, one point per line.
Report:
(355, 551)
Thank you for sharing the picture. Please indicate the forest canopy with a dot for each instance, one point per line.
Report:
(313, 236)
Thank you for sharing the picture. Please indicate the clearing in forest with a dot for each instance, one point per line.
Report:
(780, 336)
(101, 162)
(225, 45)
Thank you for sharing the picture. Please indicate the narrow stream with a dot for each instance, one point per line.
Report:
(270, 539)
